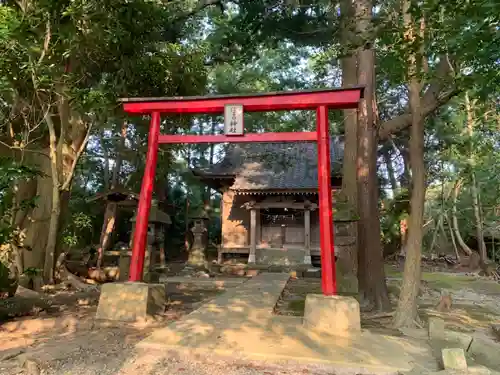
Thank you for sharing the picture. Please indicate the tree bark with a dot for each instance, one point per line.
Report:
(48, 267)
(33, 223)
(349, 174)
(371, 275)
(406, 311)
(65, 150)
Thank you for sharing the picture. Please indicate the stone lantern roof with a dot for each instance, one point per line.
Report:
(156, 215)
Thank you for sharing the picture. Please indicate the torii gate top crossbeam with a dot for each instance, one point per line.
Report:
(340, 98)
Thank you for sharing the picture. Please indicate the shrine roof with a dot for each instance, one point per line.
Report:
(273, 166)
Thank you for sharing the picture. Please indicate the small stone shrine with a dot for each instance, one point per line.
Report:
(158, 223)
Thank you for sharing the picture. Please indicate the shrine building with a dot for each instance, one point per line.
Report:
(269, 205)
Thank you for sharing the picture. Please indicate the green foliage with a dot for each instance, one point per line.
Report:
(32, 272)
(92, 52)
(79, 227)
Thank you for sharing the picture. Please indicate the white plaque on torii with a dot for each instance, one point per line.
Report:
(233, 119)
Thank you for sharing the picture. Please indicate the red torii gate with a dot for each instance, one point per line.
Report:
(319, 100)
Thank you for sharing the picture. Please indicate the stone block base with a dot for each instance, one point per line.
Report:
(279, 257)
(454, 359)
(333, 315)
(130, 301)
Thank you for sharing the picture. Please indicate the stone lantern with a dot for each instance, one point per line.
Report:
(158, 224)
(197, 250)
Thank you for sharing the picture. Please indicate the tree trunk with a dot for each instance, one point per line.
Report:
(404, 180)
(456, 190)
(52, 235)
(65, 149)
(111, 210)
(473, 188)
(106, 163)
(390, 169)
(453, 242)
(437, 227)
(35, 226)
(349, 179)
(406, 312)
(107, 230)
(55, 164)
(371, 275)
(479, 224)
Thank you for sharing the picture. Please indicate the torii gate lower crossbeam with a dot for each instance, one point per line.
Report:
(319, 100)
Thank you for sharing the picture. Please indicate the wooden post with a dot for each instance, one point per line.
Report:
(307, 236)
(328, 277)
(141, 225)
(258, 231)
(253, 235)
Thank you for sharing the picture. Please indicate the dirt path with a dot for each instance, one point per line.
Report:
(64, 333)
(89, 350)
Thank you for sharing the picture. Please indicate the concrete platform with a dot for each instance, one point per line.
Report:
(240, 324)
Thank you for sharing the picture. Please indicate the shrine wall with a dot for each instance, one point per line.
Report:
(235, 220)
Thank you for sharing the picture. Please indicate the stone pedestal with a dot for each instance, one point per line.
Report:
(130, 301)
(333, 315)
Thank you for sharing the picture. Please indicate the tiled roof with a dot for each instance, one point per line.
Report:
(274, 166)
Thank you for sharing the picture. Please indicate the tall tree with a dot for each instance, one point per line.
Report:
(406, 312)
(64, 65)
(371, 264)
(349, 170)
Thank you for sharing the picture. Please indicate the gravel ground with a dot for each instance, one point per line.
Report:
(154, 363)
(127, 361)
(111, 351)
(69, 342)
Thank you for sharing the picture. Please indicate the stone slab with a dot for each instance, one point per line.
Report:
(240, 324)
(284, 339)
(436, 328)
(458, 340)
(454, 359)
(216, 282)
(333, 315)
(485, 351)
(440, 337)
(130, 301)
